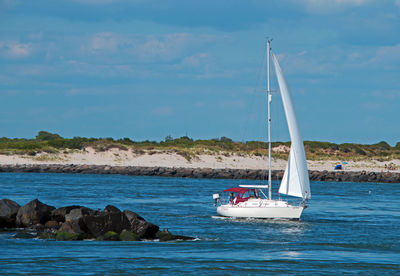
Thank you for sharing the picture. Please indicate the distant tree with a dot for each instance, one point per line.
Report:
(186, 138)
(225, 139)
(47, 136)
(397, 145)
(383, 145)
(126, 140)
(168, 138)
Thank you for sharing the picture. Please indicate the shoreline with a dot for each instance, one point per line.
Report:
(216, 173)
(157, 158)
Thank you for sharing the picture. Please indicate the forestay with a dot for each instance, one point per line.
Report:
(295, 181)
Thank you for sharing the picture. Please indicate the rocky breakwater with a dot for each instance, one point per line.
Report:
(339, 176)
(36, 219)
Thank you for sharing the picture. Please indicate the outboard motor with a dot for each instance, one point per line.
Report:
(216, 198)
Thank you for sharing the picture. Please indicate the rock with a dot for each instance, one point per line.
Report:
(82, 222)
(69, 231)
(24, 235)
(70, 227)
(128, 236)
(139, 226)
(198, 172)
(75, 215)
(47, 236)
(165, 235)
(59, 214)
(8, 213)
(111, 209)
(182, 238)
(99, 224)
(52, 224)
(32, 213)
(37, 227)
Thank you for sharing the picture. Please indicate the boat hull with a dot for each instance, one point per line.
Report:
(271, 209)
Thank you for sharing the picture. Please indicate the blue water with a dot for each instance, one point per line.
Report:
(348, 228)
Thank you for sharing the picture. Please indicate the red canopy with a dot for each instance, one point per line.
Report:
(236, 190)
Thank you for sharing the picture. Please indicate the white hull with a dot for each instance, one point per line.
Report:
(261, 208)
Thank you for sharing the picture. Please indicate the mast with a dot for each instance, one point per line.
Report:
(269, 119)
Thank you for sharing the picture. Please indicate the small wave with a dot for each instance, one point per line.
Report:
(257, 220)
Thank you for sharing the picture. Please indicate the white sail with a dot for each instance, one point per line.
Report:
(295, 181)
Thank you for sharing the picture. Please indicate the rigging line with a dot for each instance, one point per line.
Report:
(252, 97)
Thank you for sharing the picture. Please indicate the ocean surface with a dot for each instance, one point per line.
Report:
(348, 228)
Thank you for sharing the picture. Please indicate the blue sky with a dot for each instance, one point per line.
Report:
(146, 69)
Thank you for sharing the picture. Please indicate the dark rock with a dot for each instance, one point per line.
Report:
(59, 214)
(24, 235)
(37, 227)
(165, 235)
(128, 236)
(8, 213)
(183, 238)
(32, 213)
(70, 227)
(99, 224)
(139, 226)
(390, 177)
(111, 209)
(75, 215)
(52, 224)
(69, 231)
(47, 236)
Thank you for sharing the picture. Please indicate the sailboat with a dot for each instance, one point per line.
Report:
(251, 201)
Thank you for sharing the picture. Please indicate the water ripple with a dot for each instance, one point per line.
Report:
(346, 229)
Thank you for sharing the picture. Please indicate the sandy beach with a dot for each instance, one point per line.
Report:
(117, 157)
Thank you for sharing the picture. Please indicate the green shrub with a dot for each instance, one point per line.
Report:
(47, 136)
(47, 236)
(128, 236)
(109, 236)
(382, 145)
(164, 236)
(65, 236)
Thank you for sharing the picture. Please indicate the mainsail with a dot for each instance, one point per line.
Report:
(295, 181)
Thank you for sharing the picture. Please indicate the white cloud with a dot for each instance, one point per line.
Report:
(15, 49)
(386, 56)
(104, 41)
(392, 95)
(389, 52)
(303, 63)
(170, 46)
(148, 48)
(196, 60)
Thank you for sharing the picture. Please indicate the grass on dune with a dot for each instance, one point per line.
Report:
(46, 142)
